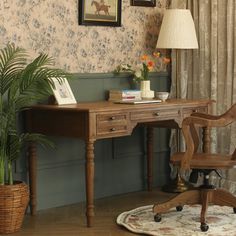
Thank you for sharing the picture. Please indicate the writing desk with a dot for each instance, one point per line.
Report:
(91, 121)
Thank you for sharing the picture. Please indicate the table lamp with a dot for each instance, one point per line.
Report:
(177, 32)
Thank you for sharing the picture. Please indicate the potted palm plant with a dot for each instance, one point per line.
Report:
(22, 83)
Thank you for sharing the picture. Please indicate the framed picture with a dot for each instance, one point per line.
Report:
(62, 91)
(143, 3)
(100, 12)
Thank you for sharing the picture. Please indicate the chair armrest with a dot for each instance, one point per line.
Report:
(206, 120)
(205, 116)
(216, 121)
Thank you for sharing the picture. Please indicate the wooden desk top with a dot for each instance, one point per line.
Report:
(101, 106)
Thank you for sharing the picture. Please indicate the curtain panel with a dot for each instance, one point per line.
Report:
(210, 71)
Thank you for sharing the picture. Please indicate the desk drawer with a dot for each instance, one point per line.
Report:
(155, 114)
(112, 123)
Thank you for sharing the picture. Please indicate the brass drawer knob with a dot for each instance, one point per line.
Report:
(113, 129)
(156, 114)
(112, 118)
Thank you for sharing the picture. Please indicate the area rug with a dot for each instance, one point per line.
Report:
(221, 221)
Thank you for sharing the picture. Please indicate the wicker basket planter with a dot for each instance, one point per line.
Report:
(13, 202)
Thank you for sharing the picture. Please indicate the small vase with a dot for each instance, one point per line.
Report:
(146, 93)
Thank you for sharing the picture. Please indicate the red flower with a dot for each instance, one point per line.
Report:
(150, 65)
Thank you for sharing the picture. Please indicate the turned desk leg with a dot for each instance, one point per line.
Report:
(90, 181)
(32, 160)
(149, 157)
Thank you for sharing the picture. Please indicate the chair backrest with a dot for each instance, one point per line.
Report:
(190, 127)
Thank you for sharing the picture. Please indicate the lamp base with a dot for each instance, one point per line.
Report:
(177, 185)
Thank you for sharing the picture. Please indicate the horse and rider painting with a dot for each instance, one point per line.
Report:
(101, 7)
(100, 12)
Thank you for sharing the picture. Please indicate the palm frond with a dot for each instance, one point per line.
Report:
(16, 142)
(3, 129)
(12, 61)
(37, 75)
(13, 146)
(40, 139)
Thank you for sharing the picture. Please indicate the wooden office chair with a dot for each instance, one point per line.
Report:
(192, 158)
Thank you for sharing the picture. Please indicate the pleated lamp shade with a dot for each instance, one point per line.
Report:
(177, 30)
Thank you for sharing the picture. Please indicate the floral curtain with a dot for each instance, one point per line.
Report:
(210, 71)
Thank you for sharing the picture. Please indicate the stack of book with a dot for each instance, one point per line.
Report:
(124, 95)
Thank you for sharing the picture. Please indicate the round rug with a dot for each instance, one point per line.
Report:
(221, 221)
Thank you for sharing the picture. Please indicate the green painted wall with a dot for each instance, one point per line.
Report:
(120, 165)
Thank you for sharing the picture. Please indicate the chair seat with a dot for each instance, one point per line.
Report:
(206, 161)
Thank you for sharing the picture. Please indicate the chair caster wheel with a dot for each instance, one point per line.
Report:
(179, 208)
(157, 218)
(234, 210)
(204, 227)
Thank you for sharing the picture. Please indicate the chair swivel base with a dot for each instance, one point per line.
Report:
(201, 196)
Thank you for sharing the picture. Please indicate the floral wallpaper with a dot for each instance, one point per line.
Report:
(51, 26)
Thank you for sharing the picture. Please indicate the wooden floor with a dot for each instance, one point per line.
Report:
(70, 220)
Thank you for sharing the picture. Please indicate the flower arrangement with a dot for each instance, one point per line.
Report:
(141, 71)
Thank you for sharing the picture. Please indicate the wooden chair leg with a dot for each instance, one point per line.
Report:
(222, 197)
(207, 196)
(205, 201)
(188, 197)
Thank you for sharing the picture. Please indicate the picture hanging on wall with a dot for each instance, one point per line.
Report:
(143, 3)
(100, 12)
